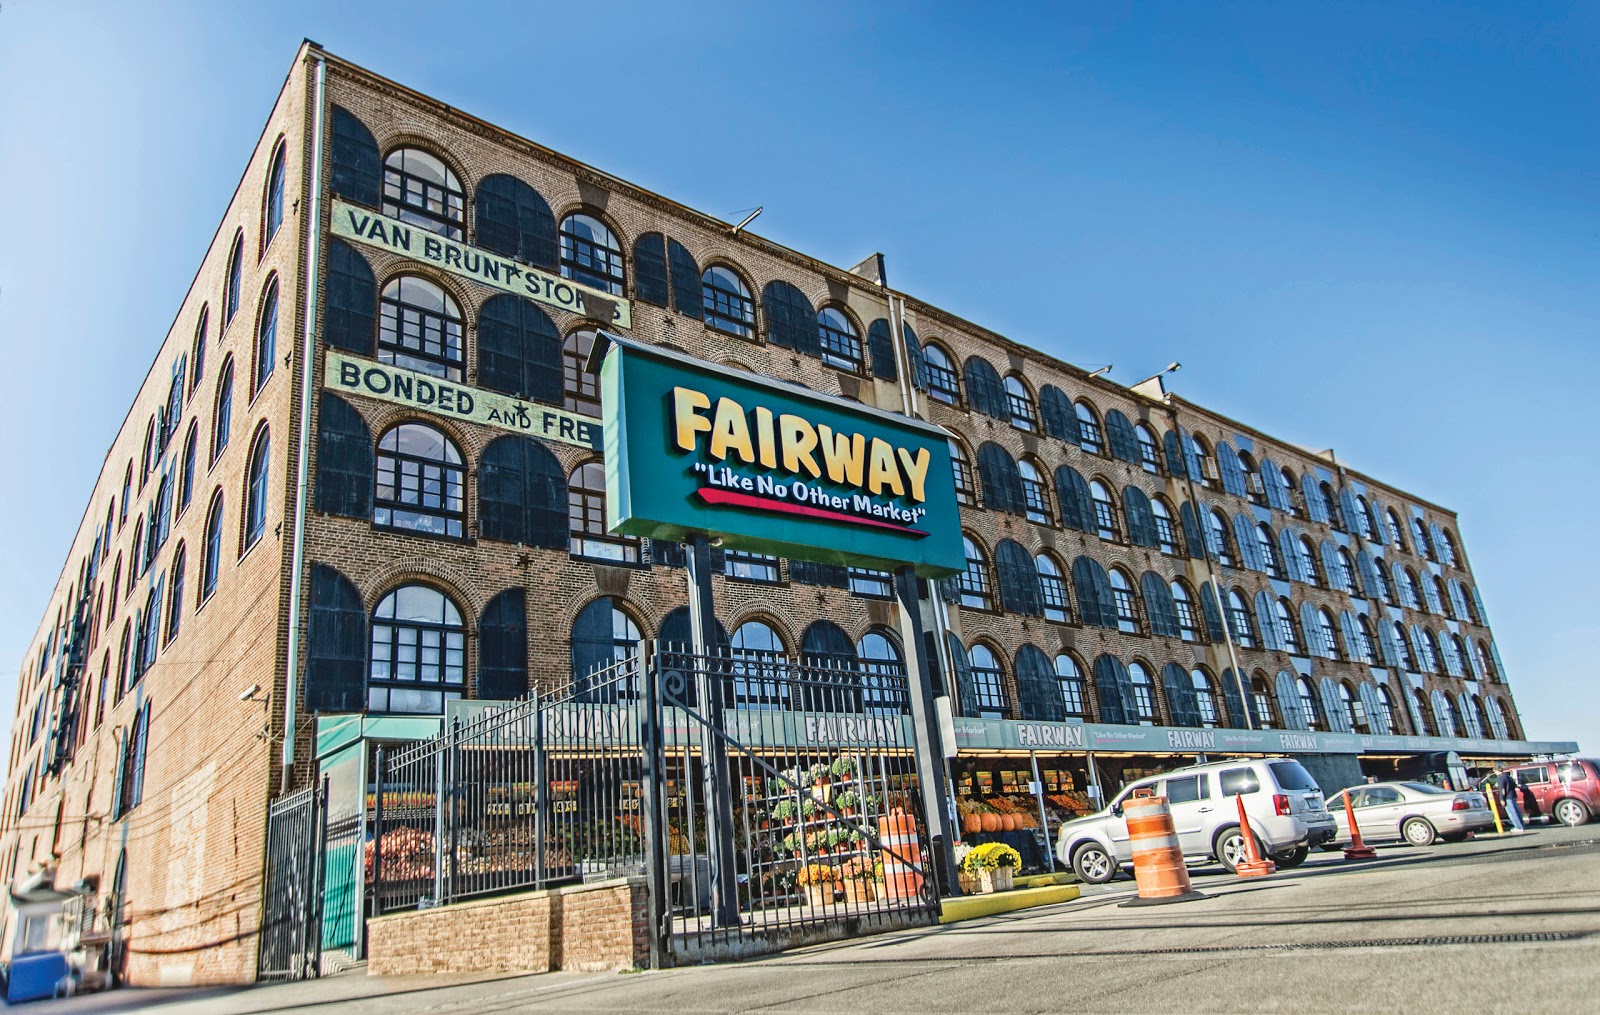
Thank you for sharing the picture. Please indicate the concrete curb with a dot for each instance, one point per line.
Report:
(973, 907)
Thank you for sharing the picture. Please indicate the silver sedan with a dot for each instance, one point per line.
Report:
(1415, 812)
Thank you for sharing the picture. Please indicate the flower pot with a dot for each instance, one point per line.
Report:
(968, 882)
(996, 880)
(819, 895)
(859, 891)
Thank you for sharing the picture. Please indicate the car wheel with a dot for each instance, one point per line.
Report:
(1331, 847)
(1418, 832)
(1454, 837)
(1229, 849)
(1093, 864)
(1289, 859)
(1571, 812)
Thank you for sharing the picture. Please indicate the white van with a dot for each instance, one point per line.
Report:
(1283, 802)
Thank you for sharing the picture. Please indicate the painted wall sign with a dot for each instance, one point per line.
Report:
(371, 379)
(770, 467)
(365, 226)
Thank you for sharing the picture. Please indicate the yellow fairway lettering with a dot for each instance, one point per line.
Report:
(798, 439)
(882, 473)
(687, 421)
(842, 454)
(731, 432)
(916, 470)
(766, 442)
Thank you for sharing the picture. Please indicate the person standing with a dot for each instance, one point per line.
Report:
(1507, 784)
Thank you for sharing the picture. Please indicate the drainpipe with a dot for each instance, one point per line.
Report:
(291, 689)
(1245, 700)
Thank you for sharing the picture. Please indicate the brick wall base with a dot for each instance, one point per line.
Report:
(582, 927)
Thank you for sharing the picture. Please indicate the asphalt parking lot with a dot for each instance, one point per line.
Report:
(1494, 925)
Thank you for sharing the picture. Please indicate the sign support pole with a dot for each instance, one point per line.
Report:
(709, 666)
(924, 721)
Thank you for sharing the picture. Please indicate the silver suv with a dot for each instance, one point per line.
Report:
(1284, 804)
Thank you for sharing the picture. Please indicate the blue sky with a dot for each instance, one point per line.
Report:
(1366, 226)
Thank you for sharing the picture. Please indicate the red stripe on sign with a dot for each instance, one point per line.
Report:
(717, 495)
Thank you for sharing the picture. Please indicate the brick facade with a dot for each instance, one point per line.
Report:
(194, 844)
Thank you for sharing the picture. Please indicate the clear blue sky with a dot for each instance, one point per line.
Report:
(1366, 226)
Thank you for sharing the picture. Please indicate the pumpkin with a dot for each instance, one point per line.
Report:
(971, 823)
(991, 822)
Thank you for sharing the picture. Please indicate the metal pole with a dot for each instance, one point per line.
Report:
(1044, 819)
(924, 723)
(1094, 780)
(714, 756)
(652, 780)
(377, 835)
(438, 816)
(541, 796)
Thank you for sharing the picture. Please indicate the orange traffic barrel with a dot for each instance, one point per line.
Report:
(902, 849)
(1157, 858)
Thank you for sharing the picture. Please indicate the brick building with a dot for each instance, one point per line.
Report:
(262, 549)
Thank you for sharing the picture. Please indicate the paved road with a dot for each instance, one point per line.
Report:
(1496, 925)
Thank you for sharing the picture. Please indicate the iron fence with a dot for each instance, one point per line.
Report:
(291, 926)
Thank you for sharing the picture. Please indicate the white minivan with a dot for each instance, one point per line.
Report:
(1283, 802)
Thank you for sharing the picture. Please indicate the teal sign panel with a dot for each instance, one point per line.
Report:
(770, 467)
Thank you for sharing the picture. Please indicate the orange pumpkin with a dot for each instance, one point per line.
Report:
(971, 823)
(991, 822)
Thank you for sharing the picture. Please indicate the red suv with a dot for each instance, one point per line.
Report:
(1564, 791)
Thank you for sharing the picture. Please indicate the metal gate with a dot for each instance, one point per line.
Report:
(291, 924)
(786, 812)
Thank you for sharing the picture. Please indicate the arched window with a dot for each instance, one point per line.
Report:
(255, 505)
(1261, 699)
(586, 518)
(1408, 658)
(1308, 561)
(1441, 598)
(1430, 651)
(137, 560)
(420, 190)
(1144, 694)
(211, 556)
(1386, 707)
(1188, 618)
(1166, 533)
(234, 293)
(1205, 697)
(1286, 627)
(1347, 572)
(175, 600)
(221, 419)
(1308, 703)
(727, 302)
(1380, 577)
(1105, 511)
(883, 675)
(1122, 601)
(1289, 487)
(198, 352)
(1239, 624)
(961, 469)
(519, 350)
(943, 384)
(1035, 499)
(1444, 715)
(1149, 449)
(988, 682)
(1217, 529)
(274, 202)
(975, 588)
(420, 483)
(1330, 502)
(1447, 548)
(1396, 531)
(590, 254)
(1090, 436)
(1419, 533)
(418, 657)
(420, 328)
(1330, 635)
(1052, 589)
(580, 387)
(604, 635)
(841, 346)
(1354, 711)
(1020, 403)
(1486, 662)
(186, 473)
(1269, 550)
(1366, 647)
(513, 219)
(1069, 675)
(267, 335)
(1204, 465)
(759, 665)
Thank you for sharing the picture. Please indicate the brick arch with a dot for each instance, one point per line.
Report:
(417, 568)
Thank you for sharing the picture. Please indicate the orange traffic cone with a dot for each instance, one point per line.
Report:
(1255, 865)
(1357, 850)
(1157, 857)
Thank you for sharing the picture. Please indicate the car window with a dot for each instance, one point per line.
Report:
(1537, 773)
(1380, 795)
(1358, 798)
(1236, 781)
(1291, 775)
(1186, 789)
(1571, 772)
(1424, 787)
